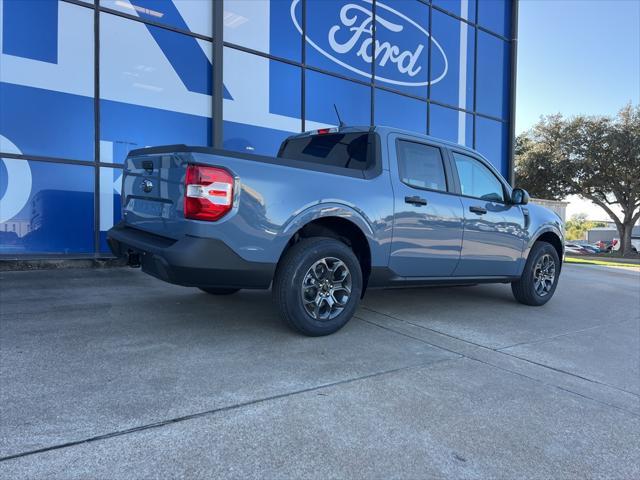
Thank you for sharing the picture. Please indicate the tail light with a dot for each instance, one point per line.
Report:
(208, 193)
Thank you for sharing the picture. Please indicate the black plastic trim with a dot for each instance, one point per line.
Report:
(189, 261)
(512, 93)
(384, 277)
(217, 93)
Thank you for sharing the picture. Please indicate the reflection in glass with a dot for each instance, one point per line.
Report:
(55, 214)
(458, 42)
(492, 94)
(452, 125)
(398, 111)
(155, 88)
(492, 142)
(190, 15)
(323, 91)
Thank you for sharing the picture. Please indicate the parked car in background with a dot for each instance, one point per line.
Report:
(575, 249)
(592, 248)
(339, 210)
(606, 246)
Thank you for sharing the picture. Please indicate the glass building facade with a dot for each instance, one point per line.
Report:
(84, 82)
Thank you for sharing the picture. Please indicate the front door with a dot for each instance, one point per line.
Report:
(494, 229)
(427, 226)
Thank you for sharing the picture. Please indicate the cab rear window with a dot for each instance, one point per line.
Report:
(346, 150)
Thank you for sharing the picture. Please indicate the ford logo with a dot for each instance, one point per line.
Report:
(146, 185)
(349, 41)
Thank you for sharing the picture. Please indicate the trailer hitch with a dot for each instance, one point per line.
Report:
(133, 259)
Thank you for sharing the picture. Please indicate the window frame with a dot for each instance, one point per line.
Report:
(444, 159)
(506, 191)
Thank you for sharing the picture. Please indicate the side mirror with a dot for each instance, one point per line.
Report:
(519, 196)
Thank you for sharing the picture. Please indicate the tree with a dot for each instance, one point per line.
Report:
(597, 158)
(577, 226)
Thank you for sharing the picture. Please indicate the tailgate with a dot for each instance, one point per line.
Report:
(152, 192)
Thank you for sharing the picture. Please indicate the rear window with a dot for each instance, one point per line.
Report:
(346, 150)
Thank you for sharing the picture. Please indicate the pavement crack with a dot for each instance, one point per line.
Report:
(498, 352)
(560, 335)
(565, 372)
(214, 411)
(408, 322)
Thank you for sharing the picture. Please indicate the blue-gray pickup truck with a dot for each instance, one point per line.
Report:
(338, 211)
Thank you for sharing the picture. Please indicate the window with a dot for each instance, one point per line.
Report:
(46, 79)
(53, 211)
(399, 111)
(496, 16)
(347, 150)
(421, 166)
(476, 180)
(265, 26)
(492, 140)
(110, 206)
(189, 15)
(452, 70)
(155, 88)
(463, 8)
(324, 91)
(402, 46)
(261, 109)
(338, 36)
(493, 71)
(453, 125)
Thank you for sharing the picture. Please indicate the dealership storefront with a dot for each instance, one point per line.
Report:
(81, 84)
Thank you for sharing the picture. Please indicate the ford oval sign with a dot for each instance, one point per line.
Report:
(400, 59)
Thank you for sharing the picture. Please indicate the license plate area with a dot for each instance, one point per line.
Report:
(147, 208)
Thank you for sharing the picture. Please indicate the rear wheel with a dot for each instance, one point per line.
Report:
(539, 278)
(219, 291)
(318, 285)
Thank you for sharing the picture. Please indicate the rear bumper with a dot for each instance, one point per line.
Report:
(189, 261)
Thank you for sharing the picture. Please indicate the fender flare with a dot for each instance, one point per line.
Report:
(328, 210)
(538, 233)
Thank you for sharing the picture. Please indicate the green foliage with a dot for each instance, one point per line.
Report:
(597, 158)
(576, 227)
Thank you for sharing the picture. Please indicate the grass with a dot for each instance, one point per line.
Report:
(607, 263)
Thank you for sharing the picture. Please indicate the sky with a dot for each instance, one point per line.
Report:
(577, 57)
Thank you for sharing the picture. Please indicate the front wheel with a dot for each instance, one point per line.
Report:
(318, 285)
(539, 279)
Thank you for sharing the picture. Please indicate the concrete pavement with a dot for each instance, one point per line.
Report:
(110, 373)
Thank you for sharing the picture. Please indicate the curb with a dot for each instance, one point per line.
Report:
(60, 264)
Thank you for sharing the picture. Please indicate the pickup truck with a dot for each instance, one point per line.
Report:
(337, 212)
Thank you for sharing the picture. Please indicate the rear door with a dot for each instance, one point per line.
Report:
(494, 229)
(427, 223)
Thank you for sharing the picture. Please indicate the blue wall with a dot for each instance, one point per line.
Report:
(442, 68)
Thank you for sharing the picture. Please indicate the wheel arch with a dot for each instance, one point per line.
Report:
(549, 235)
(347, 226)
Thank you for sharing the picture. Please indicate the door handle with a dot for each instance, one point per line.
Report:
(478, 210)
(415, 200)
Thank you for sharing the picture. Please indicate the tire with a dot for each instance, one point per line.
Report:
(526, 290)
(298, 303)
(219, 290)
